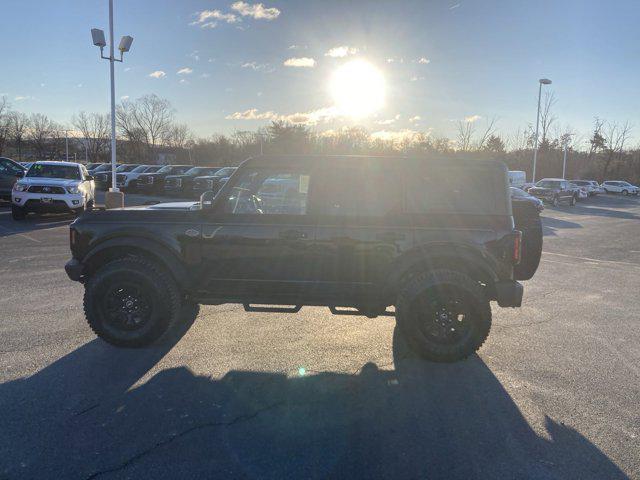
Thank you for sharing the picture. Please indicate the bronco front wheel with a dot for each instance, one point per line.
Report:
(131, 302)
(443, 315)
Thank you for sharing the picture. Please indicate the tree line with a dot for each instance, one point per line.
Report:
(147, 127)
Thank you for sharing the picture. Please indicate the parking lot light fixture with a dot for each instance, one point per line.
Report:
(542, 81)
(98, 38)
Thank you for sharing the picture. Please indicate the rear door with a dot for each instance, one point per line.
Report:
(257, 243)
(361, 227)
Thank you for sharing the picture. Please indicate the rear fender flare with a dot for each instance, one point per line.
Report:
(428, 256)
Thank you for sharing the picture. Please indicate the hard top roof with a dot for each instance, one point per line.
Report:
(54, 162)
(332, 160)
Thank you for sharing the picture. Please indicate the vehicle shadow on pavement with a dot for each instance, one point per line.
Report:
(32, 223)
(85, 417)
(550, 225)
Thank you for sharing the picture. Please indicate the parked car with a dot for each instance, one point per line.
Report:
(99, 167)
(213, 182)
(554, 191)
(182, 185)
(103, 179)
(434, 238)
(91, 166)
(129, 180)
(60, 187)
(619, 186)
(26, 165)
(517, 178)
(581, 191)
(518, 195)
(10, 172)
(591, 186)
(154, 182)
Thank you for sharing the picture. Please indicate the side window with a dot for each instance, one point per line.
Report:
(452, 189)
(269, 192)
(347, 191)
(8, 168)
(4, 169)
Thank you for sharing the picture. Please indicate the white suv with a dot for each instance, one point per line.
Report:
(53, 187)
(618, 186)
(129, 180)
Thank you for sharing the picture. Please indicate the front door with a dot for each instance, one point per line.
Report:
(257, 241)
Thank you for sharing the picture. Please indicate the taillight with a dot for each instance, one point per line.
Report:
(517, 247)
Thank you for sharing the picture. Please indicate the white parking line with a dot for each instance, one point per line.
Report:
(594, 260)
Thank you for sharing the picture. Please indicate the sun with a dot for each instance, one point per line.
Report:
(357, 88)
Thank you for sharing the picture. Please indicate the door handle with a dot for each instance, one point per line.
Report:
(292, 234)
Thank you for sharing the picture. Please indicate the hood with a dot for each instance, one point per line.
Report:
(56, 182)
(541, 189)
(177, 176)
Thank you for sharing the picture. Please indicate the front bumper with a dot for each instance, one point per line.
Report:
(46, 202)
(509, 293)
(74, 269)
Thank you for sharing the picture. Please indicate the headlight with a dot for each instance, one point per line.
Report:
(74, 189)
(20, 187)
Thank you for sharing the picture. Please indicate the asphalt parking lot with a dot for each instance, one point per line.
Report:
(552, 394)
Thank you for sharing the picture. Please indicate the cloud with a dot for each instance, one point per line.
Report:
(415, 78)
(184, 81)
(453, 7)
(305, 62)
(389, 121)
(22, 98)
(297, 47)
(157, 74)
(126, 69)
(341, 51)
(185, 71)
(396, 136)
(264, 67)
(205, 75)
(195, 55)
(313, 117)
(124, 97)
(79, 85)
(210, 18)
(472, 118)
(414, 119)
(423, 60)
(393, 60)
(255, 10)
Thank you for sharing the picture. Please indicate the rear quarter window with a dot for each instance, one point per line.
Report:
(456, 189)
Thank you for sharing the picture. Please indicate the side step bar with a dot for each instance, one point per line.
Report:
(250, 308)
(343, 311)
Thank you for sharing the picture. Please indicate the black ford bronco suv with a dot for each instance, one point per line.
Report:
(434, 238)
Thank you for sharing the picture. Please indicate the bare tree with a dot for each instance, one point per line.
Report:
(178, 136)
(547, 118)
(616, 136)
(490, 129)
(466, 129)
(40, 130)
(5, 121)
(18, 127)
(95, 128)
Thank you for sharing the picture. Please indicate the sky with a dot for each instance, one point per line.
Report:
(228, 65)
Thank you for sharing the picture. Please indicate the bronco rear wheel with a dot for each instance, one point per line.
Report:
(131, 302)
(443, 315)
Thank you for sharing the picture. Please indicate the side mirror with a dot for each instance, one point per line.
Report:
(20, 174)
(206, 200)
(89, 177)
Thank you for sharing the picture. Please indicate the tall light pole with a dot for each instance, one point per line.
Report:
(66, 144)
(114, 198)
(542, 81)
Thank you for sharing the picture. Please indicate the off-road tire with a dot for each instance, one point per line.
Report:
(18, 213)
(162, 293)
(625, 192)
(556, 201)
(440, 285)
(573, 201)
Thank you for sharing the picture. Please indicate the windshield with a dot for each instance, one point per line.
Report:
(548, 184)
(165, 169)
(517, 192)
(153, 168)
(140, 169)
(103, 167)
(225, 172)
(125, 168)
(581, 183)
(68, 172)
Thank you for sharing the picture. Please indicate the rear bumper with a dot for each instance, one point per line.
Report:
(509, 293)
(74, 269)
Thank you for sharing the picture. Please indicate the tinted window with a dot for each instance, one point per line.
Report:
(140, 169)
(125, 168)
(453, 189)
(269, 192)
(153, 169)
(68, 172)
(9, 168)
(179, 170)
(360, 191)
(225, 172)
(548, 184)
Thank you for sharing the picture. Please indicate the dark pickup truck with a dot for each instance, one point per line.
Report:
(434, 238)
